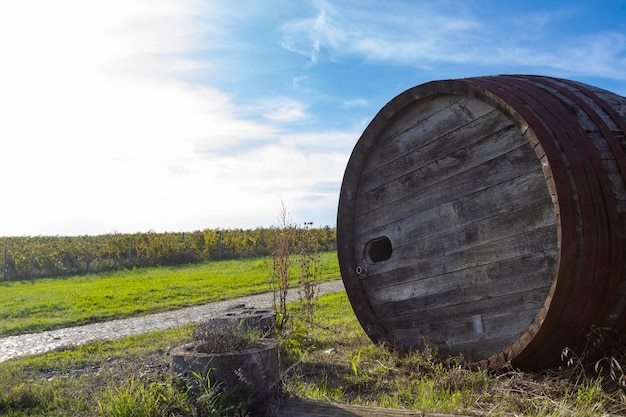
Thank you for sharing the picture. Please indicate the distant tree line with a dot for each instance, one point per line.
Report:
(57, 256)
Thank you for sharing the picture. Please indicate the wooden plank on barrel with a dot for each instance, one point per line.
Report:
(500, 170)
(419, 146)
(400, 135)
(464, 285)
(415, 111)
(411, 175)
(413, 263)
(532, 241)
(452, 326)
(465, 236)
(488, 128)
(492, 201)
(491, 279)
(447, 318)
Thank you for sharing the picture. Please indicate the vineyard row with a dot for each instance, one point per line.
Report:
(56, 256)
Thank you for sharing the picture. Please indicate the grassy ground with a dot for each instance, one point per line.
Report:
(331, 360)
(85, 380)
(32, 306)
(338, 363)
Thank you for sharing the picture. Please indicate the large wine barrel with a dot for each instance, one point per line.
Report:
(485, 216)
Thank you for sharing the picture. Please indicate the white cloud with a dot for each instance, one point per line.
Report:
(262, 177)
(428, 34)
(304, 36)
(99, 133)
(304, 84)
(279, 109)
(357, 102)
(330, 141)
(398, 33)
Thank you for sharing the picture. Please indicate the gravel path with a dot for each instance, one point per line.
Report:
(36, 343)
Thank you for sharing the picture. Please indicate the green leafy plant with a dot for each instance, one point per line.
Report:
(355, 360)
(209, 401)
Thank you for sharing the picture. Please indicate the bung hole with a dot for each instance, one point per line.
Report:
(379, 249)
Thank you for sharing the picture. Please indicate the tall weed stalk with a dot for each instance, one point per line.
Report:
(310, 270)
(281, 245)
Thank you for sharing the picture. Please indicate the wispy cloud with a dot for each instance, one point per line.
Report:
(329, 141)
(308, 36)
(357, 102)
(399, 33)
(278, 109)
(427, 34)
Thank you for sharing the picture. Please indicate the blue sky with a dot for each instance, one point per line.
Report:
(180, 115)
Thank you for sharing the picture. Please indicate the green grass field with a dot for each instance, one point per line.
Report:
(332, 360)
(131, 377)
(33, 306)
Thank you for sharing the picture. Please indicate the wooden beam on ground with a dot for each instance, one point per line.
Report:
(305, 408)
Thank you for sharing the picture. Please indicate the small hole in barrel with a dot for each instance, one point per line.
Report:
(379, 249)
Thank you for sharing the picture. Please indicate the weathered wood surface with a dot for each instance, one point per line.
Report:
(303, 408)
(462, 195)
(503, 202)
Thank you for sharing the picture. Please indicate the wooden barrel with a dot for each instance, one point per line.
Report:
(485, 216)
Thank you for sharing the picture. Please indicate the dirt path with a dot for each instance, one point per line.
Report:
(36, 343)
